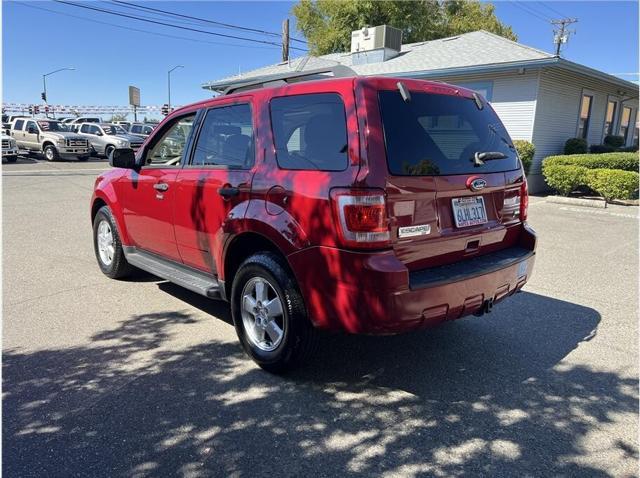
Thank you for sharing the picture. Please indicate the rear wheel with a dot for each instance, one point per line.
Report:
(50, 153)
(269, 314)
(107, 245)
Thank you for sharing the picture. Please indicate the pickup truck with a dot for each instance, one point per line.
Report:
(51, 138)
(9, 148)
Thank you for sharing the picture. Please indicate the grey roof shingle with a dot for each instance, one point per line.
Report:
(466, 50)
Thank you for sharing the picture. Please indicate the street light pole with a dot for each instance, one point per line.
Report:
(169, 83)
(44, 84)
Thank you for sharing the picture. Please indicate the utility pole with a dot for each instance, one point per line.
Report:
(285, 40)
(169, 83)
(561, 35)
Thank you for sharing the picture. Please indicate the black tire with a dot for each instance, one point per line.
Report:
(108, 150)
(50, 153)
(300, 338)
(119, 267)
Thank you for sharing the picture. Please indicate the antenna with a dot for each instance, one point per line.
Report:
(561, 35)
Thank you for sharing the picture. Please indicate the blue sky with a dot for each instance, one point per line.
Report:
(108, 59)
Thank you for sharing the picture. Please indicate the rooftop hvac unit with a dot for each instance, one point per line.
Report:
(374, 38)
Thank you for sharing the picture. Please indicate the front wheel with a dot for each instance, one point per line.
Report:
(107, 245)
(108, 151)
(269, 314)
(50, 153)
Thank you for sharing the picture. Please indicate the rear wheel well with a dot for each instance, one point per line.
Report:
(243, 247)
(97, 204)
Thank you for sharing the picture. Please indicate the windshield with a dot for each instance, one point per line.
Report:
(52, 126)
(113, 130)
(432, 135)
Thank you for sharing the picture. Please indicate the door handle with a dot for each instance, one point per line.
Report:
(228, 191)
(161, 187)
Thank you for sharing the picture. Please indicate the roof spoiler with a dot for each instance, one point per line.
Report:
(338, 71)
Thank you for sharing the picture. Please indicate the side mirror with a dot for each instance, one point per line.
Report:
(98, 133)
(32, 130)
(123, 158)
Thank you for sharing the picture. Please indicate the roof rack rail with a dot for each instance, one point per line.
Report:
(339, 71)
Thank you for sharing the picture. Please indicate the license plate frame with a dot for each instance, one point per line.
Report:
(466, 211)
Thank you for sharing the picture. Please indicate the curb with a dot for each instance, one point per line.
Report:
(594, 203)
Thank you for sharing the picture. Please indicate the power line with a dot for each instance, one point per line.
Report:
(111, 12)
(562, 36)
(213, 22)
(527, 9)
(553, 10)
(166, 35)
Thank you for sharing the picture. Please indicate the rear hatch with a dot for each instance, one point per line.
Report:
(447, 201)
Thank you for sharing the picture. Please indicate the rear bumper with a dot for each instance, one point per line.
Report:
(375, 293)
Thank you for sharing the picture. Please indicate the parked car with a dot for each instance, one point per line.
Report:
(142, 129)
(84, 119)
(125, 125)
(11, 118)
(106, 137)
(306, 213)
(9, 148)
(51, 138)
(6, 128)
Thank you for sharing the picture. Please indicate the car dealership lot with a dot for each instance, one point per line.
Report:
(143, 378)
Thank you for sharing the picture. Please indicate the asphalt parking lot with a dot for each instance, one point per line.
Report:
(142, 378)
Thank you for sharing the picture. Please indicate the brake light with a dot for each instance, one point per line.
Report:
(362, 217)
(524, 200)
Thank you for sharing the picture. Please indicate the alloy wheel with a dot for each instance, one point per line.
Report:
(106, 247)
(262, 314)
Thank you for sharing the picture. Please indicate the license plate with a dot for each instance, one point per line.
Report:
(469, 211)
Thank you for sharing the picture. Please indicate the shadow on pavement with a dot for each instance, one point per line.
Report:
(480, 396)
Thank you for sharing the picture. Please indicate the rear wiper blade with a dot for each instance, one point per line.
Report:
(480, 157)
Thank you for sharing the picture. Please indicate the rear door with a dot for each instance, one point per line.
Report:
(215, 183)
(446, 203)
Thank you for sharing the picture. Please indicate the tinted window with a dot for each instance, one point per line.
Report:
(31, 124)
(435, 134)
(226, 138)
(310, 132)
(18, 125)
(84, 128)
(136, 129)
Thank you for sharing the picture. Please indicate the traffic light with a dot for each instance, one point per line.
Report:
(165, 109)
(43, 96)
(46, 108)
(36, 109)
(30, 109)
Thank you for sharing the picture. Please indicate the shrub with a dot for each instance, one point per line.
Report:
(625, 161)
(526, 151)
(601, 148)
(564, 179)
(613, 183)
(614, 141)
(629, 149)
(575, 146)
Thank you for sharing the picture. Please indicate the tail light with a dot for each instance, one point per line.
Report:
(524, 200)
(362, 217)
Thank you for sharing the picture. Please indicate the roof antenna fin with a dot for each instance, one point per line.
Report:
(404, 92)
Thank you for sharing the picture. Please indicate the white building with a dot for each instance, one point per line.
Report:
(540, 97)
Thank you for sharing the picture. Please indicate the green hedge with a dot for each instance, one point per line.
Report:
(526, 151)
(576, 146)
(612, 175)
(613, 183)
(624, 161)
(614, 141)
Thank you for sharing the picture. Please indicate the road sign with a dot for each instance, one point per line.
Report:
(134, 96)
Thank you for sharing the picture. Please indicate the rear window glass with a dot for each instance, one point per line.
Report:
(433, 135)
(310, 132)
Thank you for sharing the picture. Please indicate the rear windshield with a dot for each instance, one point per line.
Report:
(433, 135)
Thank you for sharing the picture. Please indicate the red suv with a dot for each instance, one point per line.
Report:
(367, 205)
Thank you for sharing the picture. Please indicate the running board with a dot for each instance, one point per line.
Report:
(179, 274)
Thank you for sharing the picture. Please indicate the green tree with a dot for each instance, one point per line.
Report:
(327, 24)
(118, 117)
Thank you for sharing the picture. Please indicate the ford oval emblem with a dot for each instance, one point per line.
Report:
(476, 183)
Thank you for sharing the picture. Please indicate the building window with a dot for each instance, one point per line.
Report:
(485, 88)
(585, 116)
(609, 120)
(624, 123)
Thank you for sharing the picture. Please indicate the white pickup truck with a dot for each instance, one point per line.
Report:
(51, 138)
(9, 148)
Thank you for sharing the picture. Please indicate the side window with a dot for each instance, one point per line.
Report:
(84, 128)
(135, 128)
(18, 125)
(310, 132)
(168, 148)
(93, 129)
(147, 130)
(31, 124)
(226, 138)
